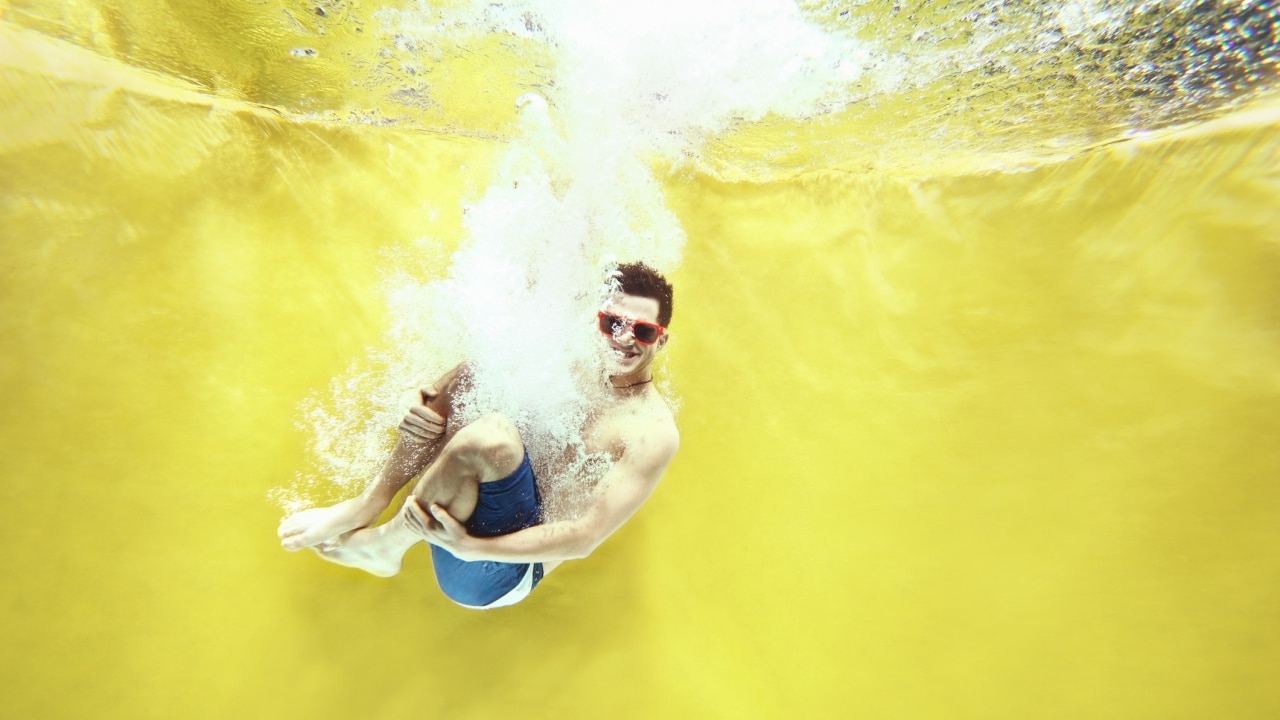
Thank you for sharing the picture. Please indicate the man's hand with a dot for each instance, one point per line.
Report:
(438, 527)
(422, 424)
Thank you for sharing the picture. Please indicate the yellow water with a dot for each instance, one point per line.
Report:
(966, 445)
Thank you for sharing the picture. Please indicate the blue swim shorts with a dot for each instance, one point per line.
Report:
(504, 506)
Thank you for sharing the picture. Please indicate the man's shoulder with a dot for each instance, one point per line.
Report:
(654, 428)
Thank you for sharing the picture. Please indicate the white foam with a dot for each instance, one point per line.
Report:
(574, 192)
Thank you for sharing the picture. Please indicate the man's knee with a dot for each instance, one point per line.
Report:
(493, 442)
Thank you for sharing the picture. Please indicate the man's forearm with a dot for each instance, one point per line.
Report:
(541, 543)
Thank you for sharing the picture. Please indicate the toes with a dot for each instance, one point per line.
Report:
(291, 525)
(296, 541)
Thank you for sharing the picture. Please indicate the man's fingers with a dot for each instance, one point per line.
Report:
(427, 414)
(422, 428)
(415, 513)
(421, 422)
(428, 421)
(443, 517)
(424, 519)
(415, 507)
(411, 423)
(414, 433)
(424, 418)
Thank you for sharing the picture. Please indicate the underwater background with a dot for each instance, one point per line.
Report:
(976, 351)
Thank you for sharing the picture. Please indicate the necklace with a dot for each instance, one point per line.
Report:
(624, 387)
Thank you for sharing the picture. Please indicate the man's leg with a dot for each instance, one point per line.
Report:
(411, 455)
(485, 451)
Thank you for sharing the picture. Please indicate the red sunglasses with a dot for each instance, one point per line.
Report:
(645, 333)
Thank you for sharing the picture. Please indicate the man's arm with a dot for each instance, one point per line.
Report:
(619, 495)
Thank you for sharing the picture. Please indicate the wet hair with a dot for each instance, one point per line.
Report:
(643, 281)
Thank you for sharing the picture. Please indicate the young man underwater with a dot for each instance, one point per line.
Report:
(478, 503)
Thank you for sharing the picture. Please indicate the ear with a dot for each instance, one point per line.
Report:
(662, 341)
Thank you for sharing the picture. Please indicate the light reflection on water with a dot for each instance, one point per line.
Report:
(941, 87)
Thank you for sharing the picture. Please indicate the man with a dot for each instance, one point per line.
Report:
(478, 503)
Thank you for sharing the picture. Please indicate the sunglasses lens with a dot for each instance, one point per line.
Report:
(610, 324)
(645, 333)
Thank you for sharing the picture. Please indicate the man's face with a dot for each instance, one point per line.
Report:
(623, 354)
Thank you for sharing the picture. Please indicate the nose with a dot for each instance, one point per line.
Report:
(625, 331)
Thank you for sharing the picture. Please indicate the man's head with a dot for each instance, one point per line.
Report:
(643, 281)
(635, 317)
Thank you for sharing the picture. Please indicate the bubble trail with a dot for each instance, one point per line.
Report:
(636, 86)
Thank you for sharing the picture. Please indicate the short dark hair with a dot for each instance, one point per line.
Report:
(643, 281)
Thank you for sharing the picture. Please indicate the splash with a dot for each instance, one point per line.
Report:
(908, 88)
(974, 86)
(717, 86)
(636, 87)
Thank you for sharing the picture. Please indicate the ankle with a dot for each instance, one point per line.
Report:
(368, 506)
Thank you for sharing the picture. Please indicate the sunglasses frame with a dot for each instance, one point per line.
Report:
(600, 318)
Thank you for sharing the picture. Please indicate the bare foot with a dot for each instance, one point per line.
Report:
(366, 549)
(312, 527)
